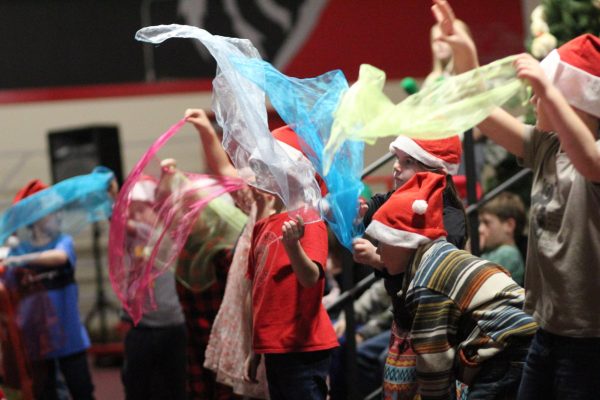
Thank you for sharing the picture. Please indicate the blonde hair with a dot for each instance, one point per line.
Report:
(441, 67)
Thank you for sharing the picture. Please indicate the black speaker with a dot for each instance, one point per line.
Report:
(78, 151)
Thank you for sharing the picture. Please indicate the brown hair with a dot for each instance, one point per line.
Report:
(505, 206)
(452, 198)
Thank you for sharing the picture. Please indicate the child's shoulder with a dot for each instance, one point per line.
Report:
(444, 268)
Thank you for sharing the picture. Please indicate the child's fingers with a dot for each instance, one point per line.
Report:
(363, 208)
(446, 9)
(192, 113)
(437, 14)
(285, 230)
(358, 242)
(290, 230)
(445, 16)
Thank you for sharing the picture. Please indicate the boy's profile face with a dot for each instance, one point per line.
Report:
(394, 258)
(494, 232)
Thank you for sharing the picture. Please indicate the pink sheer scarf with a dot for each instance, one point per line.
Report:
(153, 216)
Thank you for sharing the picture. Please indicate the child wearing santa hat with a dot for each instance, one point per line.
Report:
(464, 312)
(290, 325)
(49, 255)
(413, 156)
(563, 150)
(441, 156)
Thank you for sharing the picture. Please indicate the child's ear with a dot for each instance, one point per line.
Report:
(511, 224)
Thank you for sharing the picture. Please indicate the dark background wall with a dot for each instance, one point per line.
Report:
(50, 43)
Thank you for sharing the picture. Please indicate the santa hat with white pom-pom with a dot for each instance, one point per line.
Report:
(413, 215)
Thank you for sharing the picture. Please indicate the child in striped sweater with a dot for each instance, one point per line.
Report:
(467, 321)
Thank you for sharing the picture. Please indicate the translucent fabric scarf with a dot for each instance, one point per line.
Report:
(240, 109)
(440, 110)
(307, 105)
(155, 212)
(79, 201)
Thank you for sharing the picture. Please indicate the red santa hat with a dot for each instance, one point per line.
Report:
(32, 187)
(574, 68)
(413, 215)
(443, 154)
(144, 190)
(295, 147)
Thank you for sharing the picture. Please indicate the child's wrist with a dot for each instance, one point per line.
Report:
(548, 91)
(291, 244)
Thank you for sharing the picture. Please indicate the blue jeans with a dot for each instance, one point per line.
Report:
(500, 376)
(560, 367)
(298, 376)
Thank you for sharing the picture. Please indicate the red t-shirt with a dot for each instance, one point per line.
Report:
(287, 317)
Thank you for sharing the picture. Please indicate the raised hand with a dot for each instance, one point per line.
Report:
(365, 253)
(200, 120)
(363, 207)
(463, 47)
(292, 231)
(529, 68)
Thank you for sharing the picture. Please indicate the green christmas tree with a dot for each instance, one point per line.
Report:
(568, 19)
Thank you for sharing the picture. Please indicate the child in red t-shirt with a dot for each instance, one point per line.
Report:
(290, 325)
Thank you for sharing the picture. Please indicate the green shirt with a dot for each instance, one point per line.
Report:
(509, 257)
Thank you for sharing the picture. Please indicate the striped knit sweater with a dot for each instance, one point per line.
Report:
(465, 310)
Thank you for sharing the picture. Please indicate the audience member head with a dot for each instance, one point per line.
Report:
(501, 221)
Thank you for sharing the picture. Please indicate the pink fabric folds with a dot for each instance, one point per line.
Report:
(152, 219)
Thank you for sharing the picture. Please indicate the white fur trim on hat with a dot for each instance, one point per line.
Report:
(419, 207)
(395, 237)
(580, 88)
(293, 153)
(410, 147)
(143, 190)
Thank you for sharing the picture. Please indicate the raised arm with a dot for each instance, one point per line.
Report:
(48, 258)
(217, 161)
(500, 126)
(575, 128)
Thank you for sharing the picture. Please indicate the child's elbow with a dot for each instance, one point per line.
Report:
(309, 282)
(591, 171)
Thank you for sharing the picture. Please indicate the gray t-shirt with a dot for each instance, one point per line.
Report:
(562, 273)
(168, 310)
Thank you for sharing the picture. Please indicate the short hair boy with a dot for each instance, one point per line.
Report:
(501, 223)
